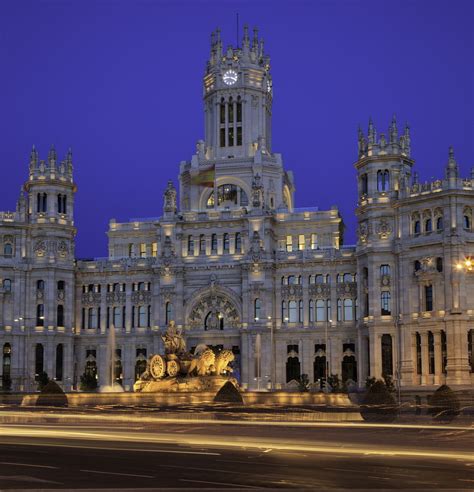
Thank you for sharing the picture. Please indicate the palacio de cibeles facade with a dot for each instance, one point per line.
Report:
(236, 266)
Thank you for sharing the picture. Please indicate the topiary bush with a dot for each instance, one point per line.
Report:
(444, 404)
(52, 395)
(228, 394)
(42, 380)
(378, 404)
(88, 382)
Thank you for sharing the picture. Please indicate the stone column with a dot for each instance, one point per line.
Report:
(458, 361)
(375, 354)
(438, 357)
(424, 358)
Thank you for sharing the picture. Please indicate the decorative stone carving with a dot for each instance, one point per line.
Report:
(39, 248)
(385, 280)
(292, 291)
(255, 251)
(347, 289)
(320, 291)
(257, 191)
(169, 198)
(91, 299)
(363, 232)
(115, 298)
(141, 297)
(384, 229)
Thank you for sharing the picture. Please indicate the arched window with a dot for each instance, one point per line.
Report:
(59, 362)
(320, 310)
(319, 279)
(238, 242)
(202, 244)
(169, 313)
(383, 180)
(293, 369)
(39, 360)
(8, 250)
(292, 312)
(228, 195)
(214, 244)
(190, 245)
(7, 285)
(6, 366)
(431, 355)
(385, 270)
(416, 227)
(348, 310)
(91, 318)
(467, 221)
(387, 356)
(117, 315)
(256, 309)
(311, 311)
(428, 225)
(311, 279)
(364, 182)
(439, 224)
(141, 286)
(385, 304)
(348, 277)
(60, 315)
(349, 368)
(61, 285)
(40, 315)
(284, 281)
(42, 202)
(291, 280)
(319, 367)
(226, 243)
(40, 284)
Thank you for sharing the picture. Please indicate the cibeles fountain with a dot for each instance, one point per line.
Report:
(179, 371)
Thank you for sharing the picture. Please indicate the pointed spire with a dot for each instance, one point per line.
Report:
(393, 131)
(255, 38)
(452, 170)
(52, 156)
(246, 41)
(262, 48)
(33, 156)
(371, 133)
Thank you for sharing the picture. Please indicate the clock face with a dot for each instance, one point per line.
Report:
(230, 77)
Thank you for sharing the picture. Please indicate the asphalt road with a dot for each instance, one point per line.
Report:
(201, 455)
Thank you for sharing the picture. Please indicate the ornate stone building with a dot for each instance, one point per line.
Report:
(237, 266)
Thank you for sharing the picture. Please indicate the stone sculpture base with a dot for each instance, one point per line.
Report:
(184, 384)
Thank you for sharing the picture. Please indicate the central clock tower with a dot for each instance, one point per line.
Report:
(238, 98)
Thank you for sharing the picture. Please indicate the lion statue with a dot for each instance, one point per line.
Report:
(223, 359)
(203, 363)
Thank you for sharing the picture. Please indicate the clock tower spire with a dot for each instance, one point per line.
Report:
(238, 98)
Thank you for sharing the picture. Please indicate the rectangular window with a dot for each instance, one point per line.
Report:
(154, 250)
(131, 250)
(222, 114)
(314, 241)
(301, 242)
(428, 298)
(328, 310)
(117, 317)
(222, 137)
(142, 250)
(289, 244)
(239, 135)
(231, 112)
(239, 112)
(320, 310)
(231, 136)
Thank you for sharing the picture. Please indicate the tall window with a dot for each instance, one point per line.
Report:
(314, 241)
(444, 351)
(142, 316)
(320, 310)
(428, 225)
(117, 315)
(61, 285)
(202, 244)
(226, 243)
(62, 204)
(289, 244)
(439, 224)
(42, 202)
(154, 249)
(40, 315)
(387, 355)
(190, 245)
(418, 353)
(7, 285)
(60, 315)
(257, 309)
(311, 311)
(39, 360)
(428, 298)
(40, 285)
(383, 180)
(416, 227)
(385, 304)
(284, 313)
(8, 250)
(364, 188)
(214, 244)
(6, 366)
(59, 362)
(301, 242)
(91, 318)
(238, 242)
(328, 310)
(292, 312)
(142, 250)
(384, 270)
(431, 356)
(169, 314)
(348, 310)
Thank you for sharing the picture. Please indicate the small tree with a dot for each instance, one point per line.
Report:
(88, 382)
(369, 382)
(444, 404)
(379, 404)
(42, 380)
(388, 380)
(336, 385)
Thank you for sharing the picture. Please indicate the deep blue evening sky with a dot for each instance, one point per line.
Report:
(120, 82)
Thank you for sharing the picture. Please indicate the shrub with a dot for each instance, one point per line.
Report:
(228, 394)
(336, 385)
(379, 404)
(52, 395)
(42, 380)
(88, 382)
(444, 404)
(304, 383)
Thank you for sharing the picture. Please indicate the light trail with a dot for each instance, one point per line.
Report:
(74, 418)
(223, 442)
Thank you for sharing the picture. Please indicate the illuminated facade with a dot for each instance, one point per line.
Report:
(237, 266)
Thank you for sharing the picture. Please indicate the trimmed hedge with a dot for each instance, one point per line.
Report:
(444, 404)
(52, 395)
(379, 404)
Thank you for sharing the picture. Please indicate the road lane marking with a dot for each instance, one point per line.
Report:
(220, 483)
(27, 464)
(120, 474)
(26, 478)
